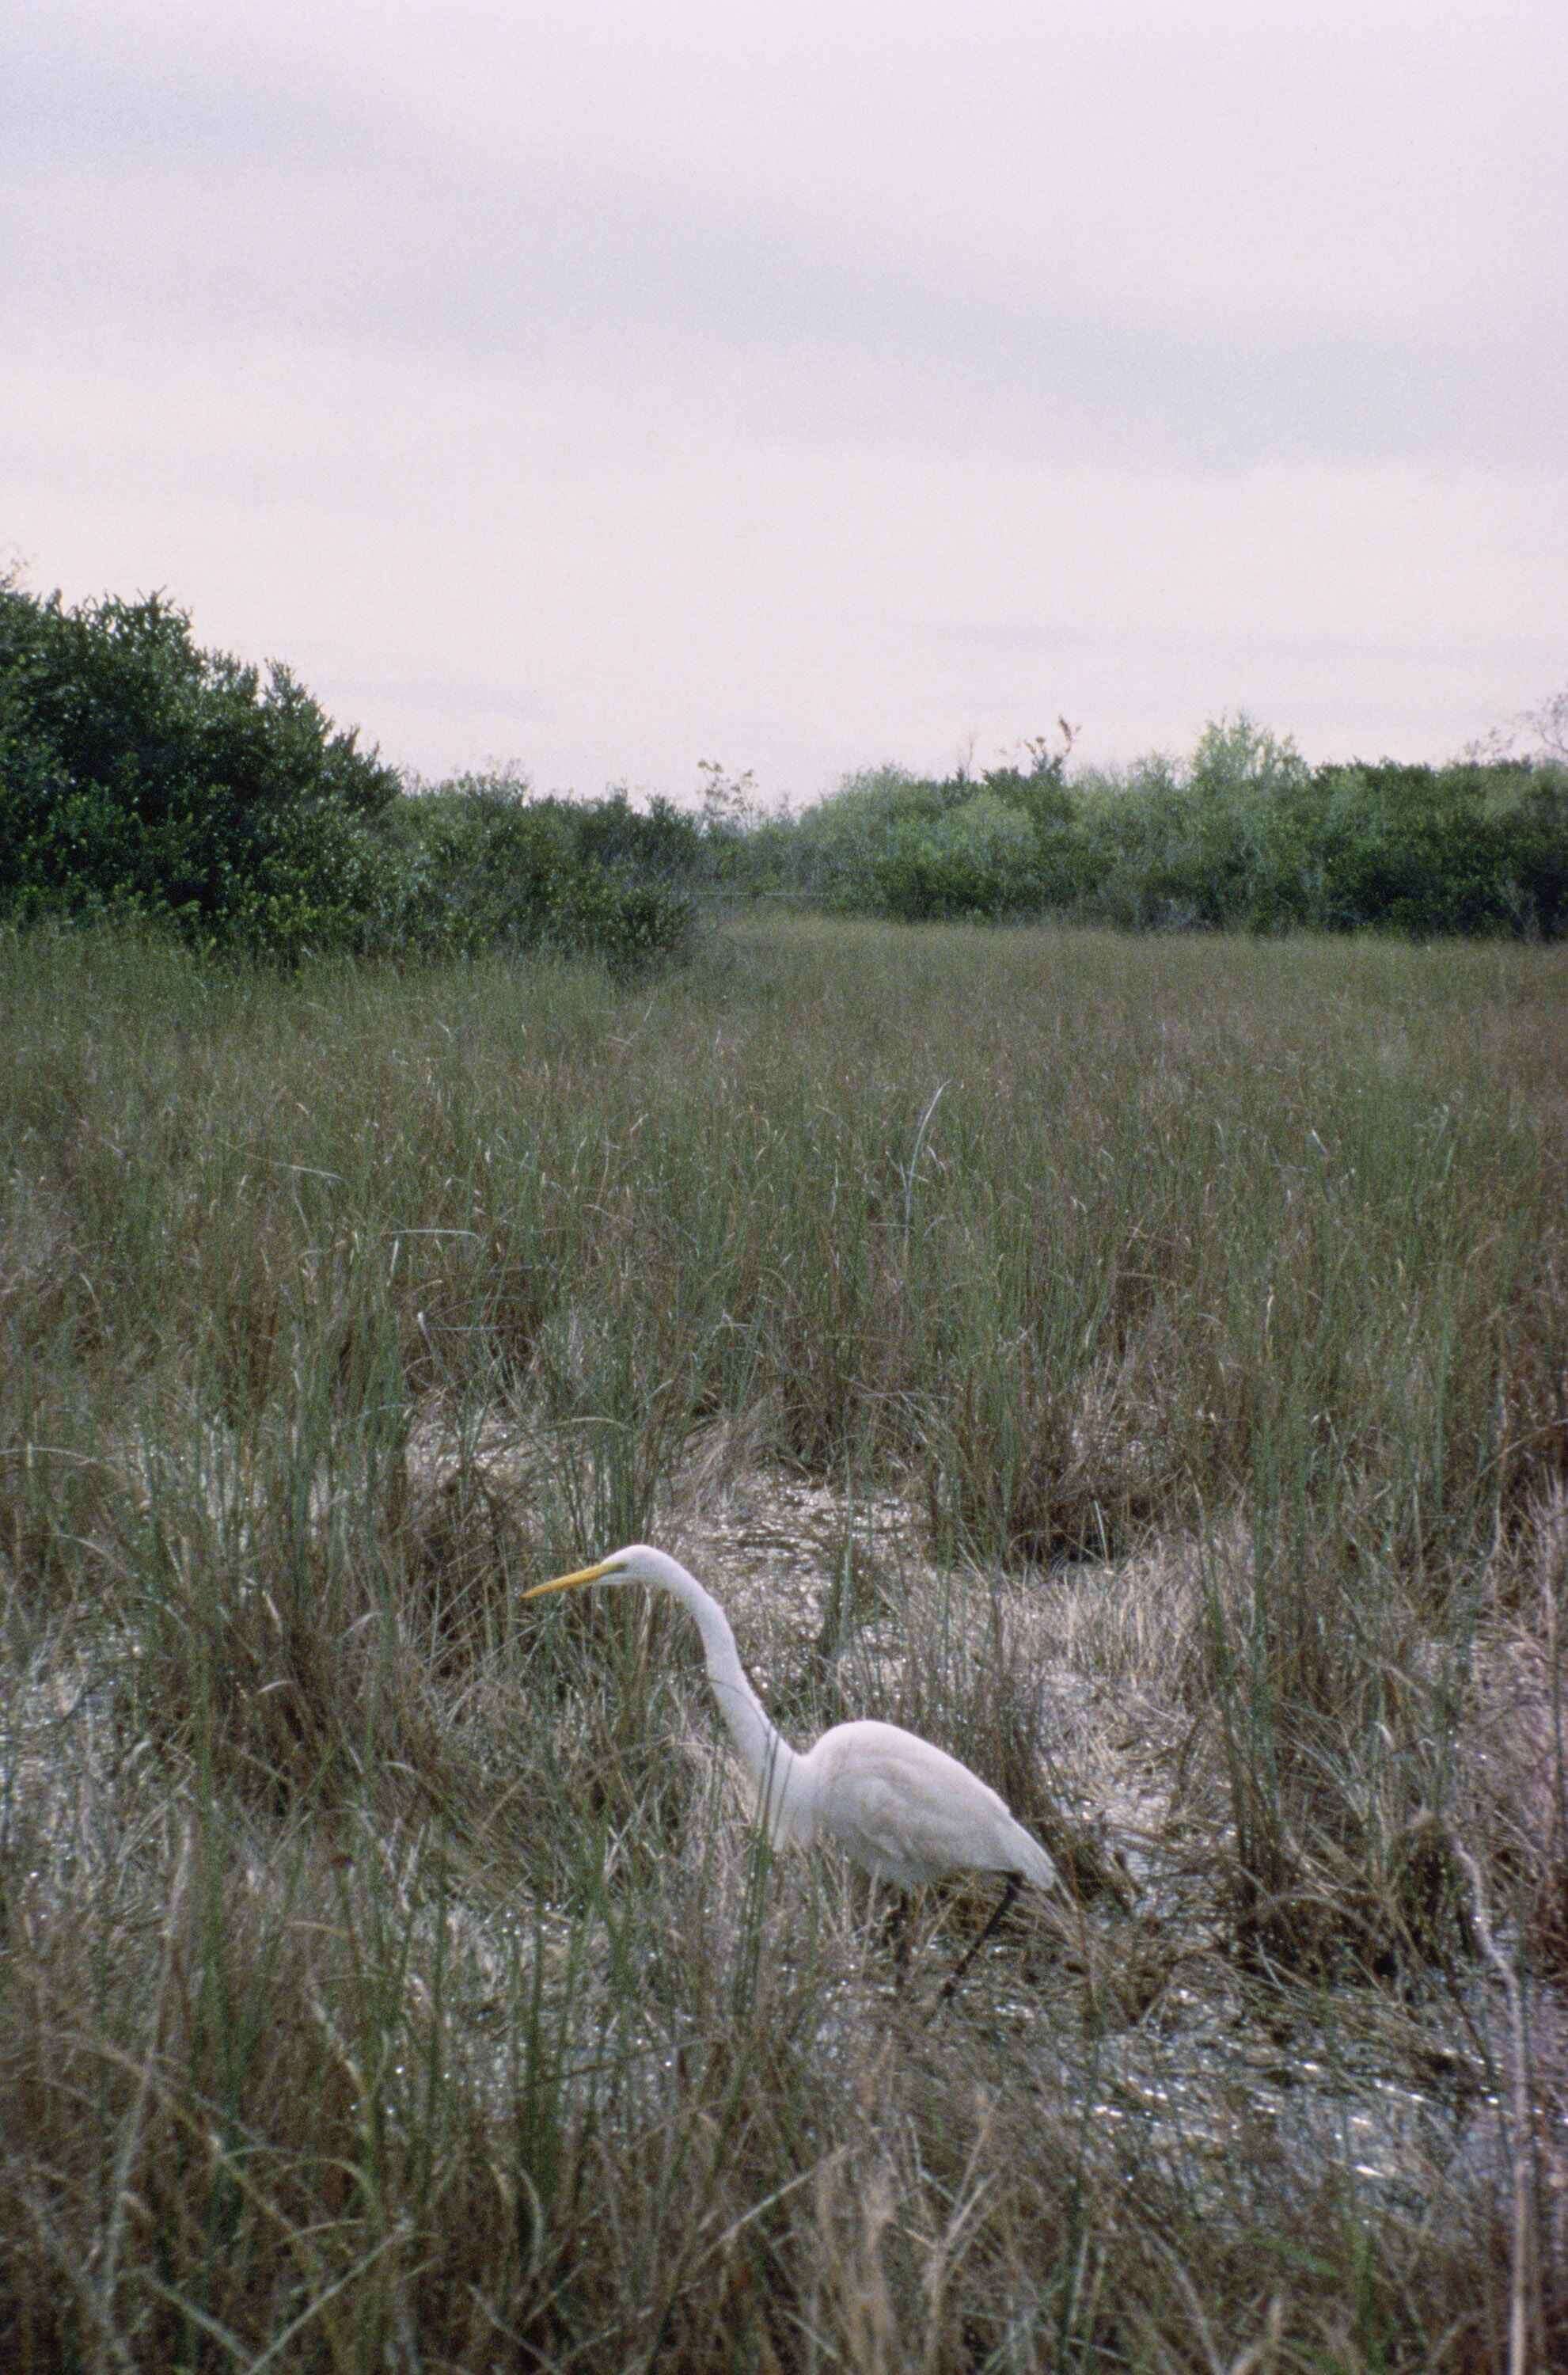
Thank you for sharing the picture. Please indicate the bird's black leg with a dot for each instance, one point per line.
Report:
(1011, 1890)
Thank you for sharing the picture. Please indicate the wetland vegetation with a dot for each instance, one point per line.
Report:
(1137, 1363)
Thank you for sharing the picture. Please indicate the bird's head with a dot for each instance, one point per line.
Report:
(636, 1564)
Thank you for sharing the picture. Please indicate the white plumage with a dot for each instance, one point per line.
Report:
(901, 1809)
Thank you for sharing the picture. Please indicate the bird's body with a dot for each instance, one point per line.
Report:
(908, 1812)
(901, 1809)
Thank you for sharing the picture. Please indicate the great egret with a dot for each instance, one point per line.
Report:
(901, 1809)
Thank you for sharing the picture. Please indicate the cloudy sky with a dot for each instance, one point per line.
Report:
(603, 390)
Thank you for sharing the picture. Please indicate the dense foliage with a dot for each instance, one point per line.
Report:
(1245, 836)
(142, 776)
(480, 864)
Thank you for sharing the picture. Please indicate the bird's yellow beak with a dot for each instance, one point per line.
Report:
(568, 1582)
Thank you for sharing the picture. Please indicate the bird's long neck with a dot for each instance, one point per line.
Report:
(765, 1752)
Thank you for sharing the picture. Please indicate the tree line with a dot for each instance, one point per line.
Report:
(144, 777)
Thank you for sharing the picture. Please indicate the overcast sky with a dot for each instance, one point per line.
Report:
(603, 390)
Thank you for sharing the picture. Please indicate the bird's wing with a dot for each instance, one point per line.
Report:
(906, 1811)
(867, 1814)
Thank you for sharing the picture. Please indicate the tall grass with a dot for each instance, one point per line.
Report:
(385, 1978)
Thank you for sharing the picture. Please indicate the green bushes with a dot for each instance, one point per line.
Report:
(975, 860)
(1181, 845)
(1243, 836)
(1457, 849)
(480, 865)
(142, 777)
(921, 848)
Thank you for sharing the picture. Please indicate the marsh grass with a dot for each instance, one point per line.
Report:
(385, 1976)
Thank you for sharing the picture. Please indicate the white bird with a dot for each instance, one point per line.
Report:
(901, 1809)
